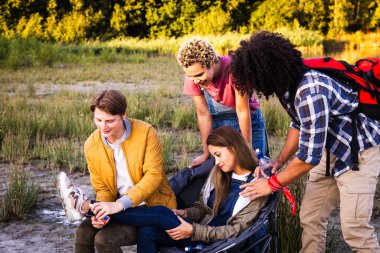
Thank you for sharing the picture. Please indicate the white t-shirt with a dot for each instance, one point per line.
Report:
(123, 180)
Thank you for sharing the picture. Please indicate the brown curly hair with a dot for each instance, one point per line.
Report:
(267, 63)
(196, 50)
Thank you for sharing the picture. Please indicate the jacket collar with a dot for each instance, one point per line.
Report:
(128, 129)
(240, 203)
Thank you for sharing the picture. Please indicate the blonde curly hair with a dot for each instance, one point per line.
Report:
(196, 50)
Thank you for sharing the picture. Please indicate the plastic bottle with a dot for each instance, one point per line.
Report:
(106, 218)
(195, 248)
(264, 163)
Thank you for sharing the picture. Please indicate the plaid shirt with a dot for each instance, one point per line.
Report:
(322, 108)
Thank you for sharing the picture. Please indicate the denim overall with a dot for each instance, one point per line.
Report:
(223, 115)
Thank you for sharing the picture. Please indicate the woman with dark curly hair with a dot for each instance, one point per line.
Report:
(215, 97)
(319, 137)
(267, 65)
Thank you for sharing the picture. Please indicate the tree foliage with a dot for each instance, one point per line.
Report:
(76, 20)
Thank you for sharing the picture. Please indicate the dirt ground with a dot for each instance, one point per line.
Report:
(45, 230)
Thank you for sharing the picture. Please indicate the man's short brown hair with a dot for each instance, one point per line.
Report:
(110, 101)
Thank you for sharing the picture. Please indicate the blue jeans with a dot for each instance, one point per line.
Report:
(152, 223)
(225, 116)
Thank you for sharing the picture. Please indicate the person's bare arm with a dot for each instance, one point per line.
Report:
(205, 126)
(244, 116)
(290, 147)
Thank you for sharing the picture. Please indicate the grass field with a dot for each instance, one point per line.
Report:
(45, 116)
(53, 102)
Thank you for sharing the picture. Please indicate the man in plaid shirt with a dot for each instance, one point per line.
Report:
(269, 64)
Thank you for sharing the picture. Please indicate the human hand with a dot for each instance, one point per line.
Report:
(184, 230)
(181, 212)
(276, 165)
(199, 160)
(259, 171)
(102, 209)
(97, 223)
(256, 189)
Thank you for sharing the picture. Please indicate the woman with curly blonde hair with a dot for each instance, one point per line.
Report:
(216, 99)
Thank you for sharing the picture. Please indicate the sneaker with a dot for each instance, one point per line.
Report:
(72, 198)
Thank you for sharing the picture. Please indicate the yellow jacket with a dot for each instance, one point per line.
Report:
(143, 153)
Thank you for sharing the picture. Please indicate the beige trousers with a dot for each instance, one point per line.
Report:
(353, 192)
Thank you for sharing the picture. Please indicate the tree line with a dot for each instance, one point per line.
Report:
(76, 20)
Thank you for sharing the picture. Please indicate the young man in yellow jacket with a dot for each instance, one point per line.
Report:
(124, 158)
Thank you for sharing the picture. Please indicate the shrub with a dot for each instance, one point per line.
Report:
(20, 196)
(302, 37)
(15, 146)
(167, 141)
(184, 117)
(276, 119)
(289, 226)
(212, 21)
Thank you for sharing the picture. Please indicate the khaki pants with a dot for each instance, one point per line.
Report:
(108, 239)
(353, 192)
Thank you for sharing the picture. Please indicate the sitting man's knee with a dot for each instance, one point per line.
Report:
(104, 241)
(85, 233)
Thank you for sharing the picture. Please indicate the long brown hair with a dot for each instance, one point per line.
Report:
(244, 155)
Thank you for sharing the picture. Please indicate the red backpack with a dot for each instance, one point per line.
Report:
(364, 77)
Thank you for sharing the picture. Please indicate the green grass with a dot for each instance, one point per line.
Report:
(177, 147)
(19, 53)
(20, 196)
(276, 119)
(57, 112)
(44, 114)
(16, 53)
(53, 127)
(155, 71)
(167, 141)
(289, 225)
(184, 117)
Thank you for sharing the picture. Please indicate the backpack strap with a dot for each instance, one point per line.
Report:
(327, 163)
(354, 143)
(292, 98)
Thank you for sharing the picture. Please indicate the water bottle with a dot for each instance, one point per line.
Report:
(195, 248)
(264, 163)
(105, 220)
